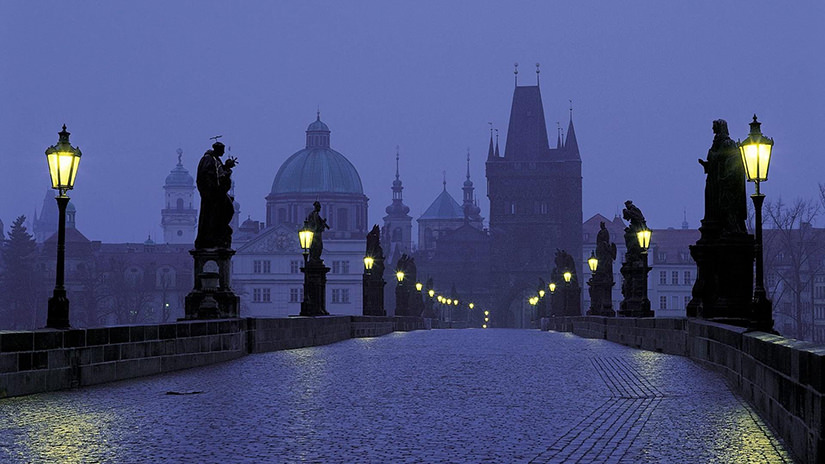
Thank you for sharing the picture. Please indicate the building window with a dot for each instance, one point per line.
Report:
(340, 295)
(266, 295)
(687, 278)
(512, 207)
(260, 266)
(294, 295)
(771, 280)
(294, 267)
(662, 302)
(261, 295)
(543, 208)
(256, 295)
(674, 276)
(662, 278)
(661, 257)
(340, 267)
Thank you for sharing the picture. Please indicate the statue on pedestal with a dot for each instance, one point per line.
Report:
(216, 211)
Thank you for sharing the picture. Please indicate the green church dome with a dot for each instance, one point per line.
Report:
(317, 168)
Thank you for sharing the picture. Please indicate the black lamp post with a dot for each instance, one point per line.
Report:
(756, 155)
(314, 279)
(63, 161)
(644, 242)
(552, 287)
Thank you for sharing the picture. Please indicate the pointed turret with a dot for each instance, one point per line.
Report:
(491, 154)
(571, 145)
(527, 132)
(498, 155)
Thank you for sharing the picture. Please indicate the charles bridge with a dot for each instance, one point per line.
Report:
(384, 390)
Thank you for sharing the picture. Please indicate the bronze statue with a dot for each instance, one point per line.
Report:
(317, 225)
(214, 181)
(725, 202)
(605, 251)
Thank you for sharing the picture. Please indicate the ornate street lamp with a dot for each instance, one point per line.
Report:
(593, 262)
(541, 293)
(756, 156)
(305, 236)
(471, 306)
(643, 236)
(369, 261)
(567, 276)
(431, 292)
(419, 286)
(400, 276)
(63, 160)
(552, 287)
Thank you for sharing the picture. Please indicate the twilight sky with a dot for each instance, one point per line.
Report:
(135, 81)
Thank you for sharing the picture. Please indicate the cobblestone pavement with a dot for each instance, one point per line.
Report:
(458, 396)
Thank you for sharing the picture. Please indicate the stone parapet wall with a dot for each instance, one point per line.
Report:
(47, 360)
(296, 332)
(782, 378)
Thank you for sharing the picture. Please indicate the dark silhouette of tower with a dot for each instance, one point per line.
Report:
(535, 197)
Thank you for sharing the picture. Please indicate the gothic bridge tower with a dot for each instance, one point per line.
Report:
(535, 197)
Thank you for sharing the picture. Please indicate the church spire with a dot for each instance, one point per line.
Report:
(497, 152)
(396, 185)
(570, 144)
(490, 153)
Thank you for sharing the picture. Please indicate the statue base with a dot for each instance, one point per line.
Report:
(374, 296)
(315, 289)
(723, 290)
(634, 290)
(402, 301)
(212, 296)
(601, 297)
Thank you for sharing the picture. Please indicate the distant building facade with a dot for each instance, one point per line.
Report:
(266, 268)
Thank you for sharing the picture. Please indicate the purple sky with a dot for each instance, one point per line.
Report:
(134, 81)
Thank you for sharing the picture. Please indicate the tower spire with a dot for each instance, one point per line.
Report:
(444, 182)
(397, 156)
(468, 163)
(490, 152)
(538, 71)
(515, 72)
(558, 134)
(497, 153)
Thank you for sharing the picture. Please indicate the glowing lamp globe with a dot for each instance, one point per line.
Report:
(593, 262)
(643, 236)
(756, 153)
(305, 236)
(63, 160)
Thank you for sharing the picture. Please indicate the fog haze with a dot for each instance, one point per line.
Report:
(136, 81)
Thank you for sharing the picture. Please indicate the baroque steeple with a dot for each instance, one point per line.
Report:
(471, 209)
(397, 222)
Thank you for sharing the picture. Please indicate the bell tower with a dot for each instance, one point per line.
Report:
(179, 218)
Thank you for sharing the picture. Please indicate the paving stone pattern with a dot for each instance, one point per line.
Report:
(458, 396)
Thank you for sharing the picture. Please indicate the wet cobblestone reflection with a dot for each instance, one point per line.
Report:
(473, 396)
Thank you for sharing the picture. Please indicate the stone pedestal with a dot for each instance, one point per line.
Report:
(634, 290)
(601, 296)
(567, 300)
(315, 289)
(374, 295)
(212, 296)
(402, 300)
(723, 290)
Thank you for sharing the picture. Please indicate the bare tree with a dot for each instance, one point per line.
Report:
(793, 251)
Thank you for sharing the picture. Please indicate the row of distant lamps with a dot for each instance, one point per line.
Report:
(63, 160)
